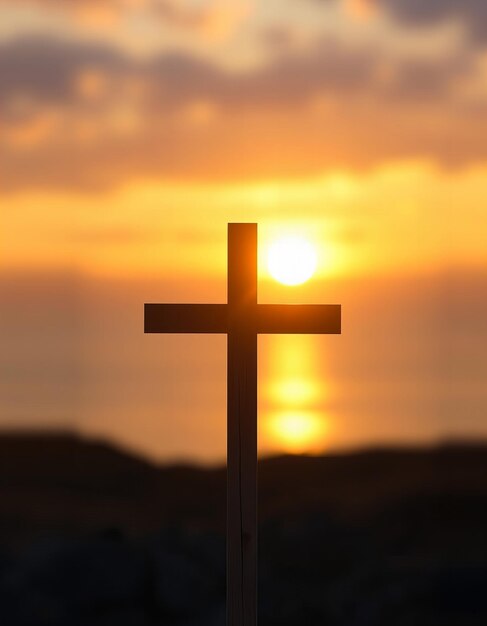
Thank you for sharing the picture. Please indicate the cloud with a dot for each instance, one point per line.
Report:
(215, 19)
(91, 12)
(87, 116)
(46, 69)
(64, 72)
(471, 14)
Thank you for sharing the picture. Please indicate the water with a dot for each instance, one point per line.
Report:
(409, 367)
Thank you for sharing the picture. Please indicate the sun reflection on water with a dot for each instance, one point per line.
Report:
(293, 420)
(294, 391)
(298, 431)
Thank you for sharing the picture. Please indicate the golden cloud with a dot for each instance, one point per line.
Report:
(175, 116)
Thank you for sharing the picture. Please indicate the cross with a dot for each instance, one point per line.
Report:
(242, 319)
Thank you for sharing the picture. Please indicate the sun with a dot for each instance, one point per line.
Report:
(292, 260)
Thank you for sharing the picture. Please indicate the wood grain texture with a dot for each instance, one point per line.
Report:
(242, 427)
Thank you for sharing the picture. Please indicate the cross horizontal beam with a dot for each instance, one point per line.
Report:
(185, 318)
(269, 318)
(299, 319)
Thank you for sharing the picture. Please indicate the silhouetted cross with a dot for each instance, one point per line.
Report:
(242, 319)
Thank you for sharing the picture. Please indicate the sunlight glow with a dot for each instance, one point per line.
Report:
(299, 431)
(294, 391)
(295, 419)
(292, 260)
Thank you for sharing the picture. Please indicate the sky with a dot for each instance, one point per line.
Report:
(133, 131)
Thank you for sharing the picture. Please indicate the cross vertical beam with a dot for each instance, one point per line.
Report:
(242, 319)
(242, 426)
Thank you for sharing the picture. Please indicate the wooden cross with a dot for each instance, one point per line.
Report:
(242, 319)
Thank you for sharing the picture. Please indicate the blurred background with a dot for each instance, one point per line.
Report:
(132, 132)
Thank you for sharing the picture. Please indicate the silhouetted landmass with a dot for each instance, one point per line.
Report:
(93, 536)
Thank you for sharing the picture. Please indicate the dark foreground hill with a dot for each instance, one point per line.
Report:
(92, 536)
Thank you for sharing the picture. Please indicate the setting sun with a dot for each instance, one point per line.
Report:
(292, 260)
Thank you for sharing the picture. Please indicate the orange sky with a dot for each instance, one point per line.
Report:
(133, 133)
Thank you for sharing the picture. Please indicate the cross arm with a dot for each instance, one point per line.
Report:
(185, 318)
(299, 318)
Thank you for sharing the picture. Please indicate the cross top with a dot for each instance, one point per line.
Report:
(242, 319)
